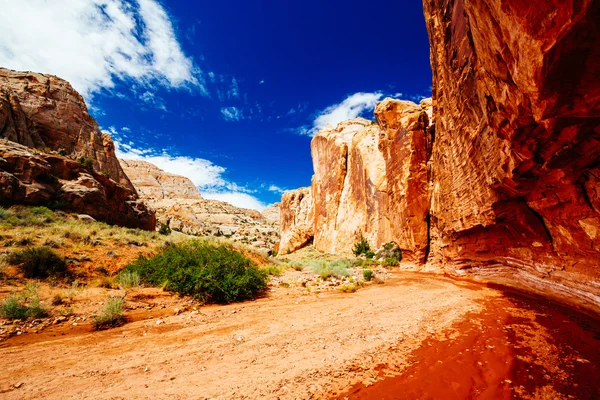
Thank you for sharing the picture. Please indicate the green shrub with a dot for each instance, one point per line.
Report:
(86, 162)
(111, 314)
(39, 262)
(361, 247)
(164, 229)
(13, 308)
(207, 272)
(390, 250)
(390, 262)
(128, 279)
(23, 305)
(327, 269)
(368, 274)
(370, 254)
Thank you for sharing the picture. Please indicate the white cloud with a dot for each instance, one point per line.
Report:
(94, 43)
(352, 107)
(234, 89)
(238, 199)
(276, 189)
(231, 114)
(207, 176)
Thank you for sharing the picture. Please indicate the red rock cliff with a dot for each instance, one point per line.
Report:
(516, 96)
(45, 112)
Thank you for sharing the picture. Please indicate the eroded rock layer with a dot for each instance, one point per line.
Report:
(179, 205)
(36, 178)
(45, 112)
(516, 96)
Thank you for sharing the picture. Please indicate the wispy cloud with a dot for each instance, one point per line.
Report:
(231, 114)
(351, 107)
(276, 189)
(153, 100)
(207, 176)
(95, 43)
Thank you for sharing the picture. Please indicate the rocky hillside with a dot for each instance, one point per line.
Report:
(44, 112)
(504, 185)
(179, 205)
(36, 178)
(53, 153)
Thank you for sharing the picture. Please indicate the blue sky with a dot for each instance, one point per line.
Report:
(227, 93)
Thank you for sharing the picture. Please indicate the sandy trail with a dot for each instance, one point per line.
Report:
(288, 345)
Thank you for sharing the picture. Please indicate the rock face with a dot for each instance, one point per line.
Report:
(370, 179)
(179, 205)
(46, 113)
(34, 178)
(297, 220)
(515, 163)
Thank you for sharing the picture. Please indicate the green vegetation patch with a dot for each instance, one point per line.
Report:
(215, 273)
(39, 262)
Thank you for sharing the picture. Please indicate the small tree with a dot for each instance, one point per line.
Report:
(361, 247)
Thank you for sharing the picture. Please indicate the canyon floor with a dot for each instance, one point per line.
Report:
(413, 336)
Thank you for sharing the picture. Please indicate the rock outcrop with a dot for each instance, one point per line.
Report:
(30, 177)
(371, 179)
(516, 100)
(45, 112)
(296, 220)
(179, 205)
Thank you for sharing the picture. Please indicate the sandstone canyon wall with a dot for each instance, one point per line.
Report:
(371, 179)
(179, 205)
(516, 95)
(501, 181)
(44, 112)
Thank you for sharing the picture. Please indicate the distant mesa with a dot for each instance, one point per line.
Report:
(179, 205)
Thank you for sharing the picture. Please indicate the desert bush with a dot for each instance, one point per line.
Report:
(164, 229)
(389, 250)
(13, 308)
(273, 270)
(327, 269)
(368, 274)
(208, 272)
(348, 288)
(111, 314)
(86, 162)
(361, 247)
(23, 305)
(39, 262)
(128, 279)
(390, 262)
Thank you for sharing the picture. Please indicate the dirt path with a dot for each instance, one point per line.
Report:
(286, 346)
